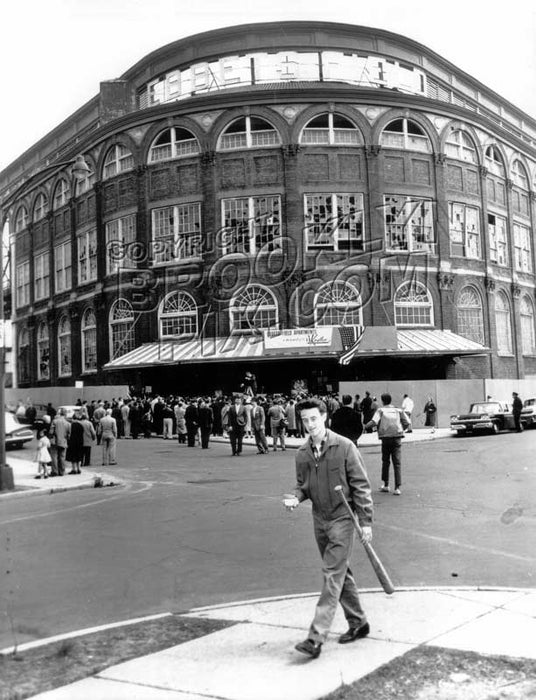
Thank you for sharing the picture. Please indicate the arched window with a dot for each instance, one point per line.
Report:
(64, 347)
(21, 219)
(458, 145)
(85, 183)
(118, 160)
(470, 315)
(405, 134)
(177, 317)
(528, 334)
(413, 305)
(253, 308)
(89, 341)
(121, 328)
(248, 132)
(333, 129)
(338, 304)
(40, 207)
(519, 175)
(23, 355)
(62, 192)
(43, 352)
(173, 143)
(503, 323)
(494, 161)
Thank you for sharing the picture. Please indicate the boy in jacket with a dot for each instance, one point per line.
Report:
(324, 461)
(391, 423)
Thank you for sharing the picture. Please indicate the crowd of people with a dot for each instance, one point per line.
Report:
(191, 421)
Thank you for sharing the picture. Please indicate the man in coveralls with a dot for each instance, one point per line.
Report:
(324, 461)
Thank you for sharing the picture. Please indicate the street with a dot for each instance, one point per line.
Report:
(193, 527)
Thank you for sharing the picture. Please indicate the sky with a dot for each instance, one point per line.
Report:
(54, 53)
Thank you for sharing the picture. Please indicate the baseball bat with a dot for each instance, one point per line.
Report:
(379, 569)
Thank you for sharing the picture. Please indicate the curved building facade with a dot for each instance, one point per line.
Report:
(313, 201)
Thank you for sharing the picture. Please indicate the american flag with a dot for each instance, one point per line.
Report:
(350, 338)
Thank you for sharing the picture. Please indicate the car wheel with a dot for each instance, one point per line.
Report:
(495, 429)
(461, 433)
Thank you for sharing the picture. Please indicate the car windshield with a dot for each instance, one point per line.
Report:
(530, 402)
(485, 408)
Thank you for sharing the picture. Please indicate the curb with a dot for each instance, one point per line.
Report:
(243, 603)
(36, 491)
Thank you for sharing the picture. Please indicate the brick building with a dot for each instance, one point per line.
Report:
(313, 204)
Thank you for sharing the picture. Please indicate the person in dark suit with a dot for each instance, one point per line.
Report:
(191, 416)
(258, 421)
(345, 421)
(205, 419)
(236, 419)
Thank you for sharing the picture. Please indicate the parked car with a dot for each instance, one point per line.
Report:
(69, 411)
(490, 416)
(528, 414)
(16, 433)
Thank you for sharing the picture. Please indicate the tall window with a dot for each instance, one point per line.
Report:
(177, 233)
(23, 355)
(22, 284)
(62, 192)
(248, 132)
(522, 248)
(494, 161)
(85, 184)
(251, 224)
(87, 256)
(528, 335)
(178, 316)
(118, 160)
(173, 143)
(252, 309)
(413, 305)
(464, 227)
(43, 352)
(333, 129)
(21, 219)
(40, 207)
(122, 338)
(498, 240)
(64, 347)
(334, 222)
(519, 175)
(405, 134)
(89, 341)
(42, 276)
(120, 237)
(503, 323)
(460, 146)
(470, 315)
(338, 304)
(62, 267)
(409, 224)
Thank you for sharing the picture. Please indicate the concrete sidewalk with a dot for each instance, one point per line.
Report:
(255, 659)
(24, 472)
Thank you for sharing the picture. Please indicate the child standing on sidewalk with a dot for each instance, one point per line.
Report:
(43, 457)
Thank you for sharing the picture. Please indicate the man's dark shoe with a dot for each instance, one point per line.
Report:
(354, 633)
(309, 648)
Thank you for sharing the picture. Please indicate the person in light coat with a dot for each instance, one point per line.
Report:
(108, 431)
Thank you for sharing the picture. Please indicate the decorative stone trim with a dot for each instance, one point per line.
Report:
(372, 151)
(489, 283)
(516, 290)
(445, 281)
(290, 150)
(483, 171)
(440, 158)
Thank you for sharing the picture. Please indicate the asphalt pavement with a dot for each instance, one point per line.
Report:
(255, 658)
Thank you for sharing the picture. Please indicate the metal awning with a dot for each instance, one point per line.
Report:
(374, 342)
